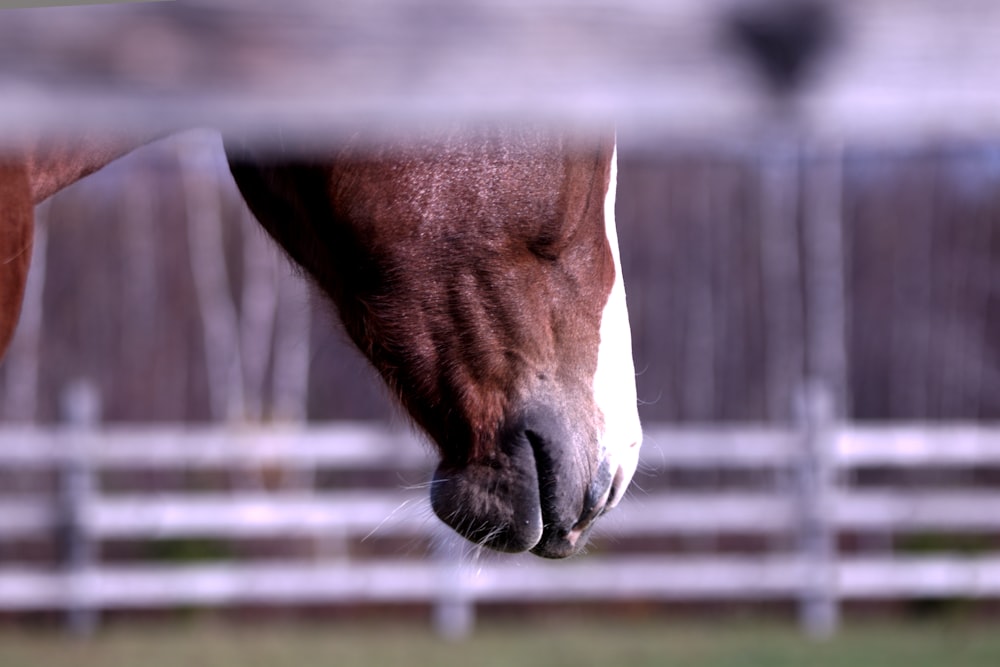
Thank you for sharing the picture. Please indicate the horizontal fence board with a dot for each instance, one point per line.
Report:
(682, 513)
(412, 581)
(25, 517)
(365, 445)
(391, 512)
(243, 515)
(908, 510)
(715, 446)
(30, 589)
(893, 68)
(643, 578)
(394, 513)
(920, 577)
(611, 579)
(928, 445)
(343, 445)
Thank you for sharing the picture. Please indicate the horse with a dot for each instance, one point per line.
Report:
(478, 271)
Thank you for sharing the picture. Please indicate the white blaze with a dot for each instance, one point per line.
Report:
(614, 381)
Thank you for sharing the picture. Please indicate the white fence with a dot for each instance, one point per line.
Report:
(794, 498)
(876, 69)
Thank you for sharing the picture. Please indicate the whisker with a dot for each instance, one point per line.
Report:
(633, 487)
(420, 486)
(659, 397)
(389, 516)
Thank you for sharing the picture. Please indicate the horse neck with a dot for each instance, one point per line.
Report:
(55, 162)
(31, 171)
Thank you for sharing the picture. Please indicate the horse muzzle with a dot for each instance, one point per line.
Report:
(540, 490)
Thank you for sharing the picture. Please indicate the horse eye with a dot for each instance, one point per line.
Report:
(547, 239)
(546, 247)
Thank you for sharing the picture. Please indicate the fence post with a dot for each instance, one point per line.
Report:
(81, 406)
(818, 605)
(454, 609)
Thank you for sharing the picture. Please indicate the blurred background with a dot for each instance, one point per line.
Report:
(809, 216)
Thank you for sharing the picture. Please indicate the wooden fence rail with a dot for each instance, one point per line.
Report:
(882, 68)
(699, 487)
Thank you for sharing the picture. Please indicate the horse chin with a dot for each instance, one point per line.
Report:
(496, 507)
(540, 492)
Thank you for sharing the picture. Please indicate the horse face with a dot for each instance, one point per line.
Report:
(479, 274)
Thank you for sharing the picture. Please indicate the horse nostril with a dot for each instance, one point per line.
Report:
(598, 496)
(589, 515)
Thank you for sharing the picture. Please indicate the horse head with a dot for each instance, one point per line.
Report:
(479, 274)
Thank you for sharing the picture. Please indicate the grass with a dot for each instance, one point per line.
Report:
(548, 644)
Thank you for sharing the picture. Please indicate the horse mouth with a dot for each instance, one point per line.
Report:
(533, 496)
(604, 503)
(560, 538)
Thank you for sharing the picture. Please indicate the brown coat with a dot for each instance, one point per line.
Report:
(16, 233)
